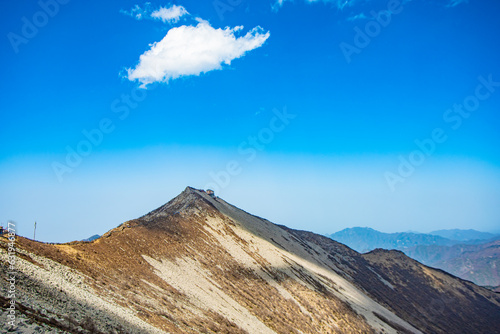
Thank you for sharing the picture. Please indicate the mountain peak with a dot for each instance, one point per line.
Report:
(189, 201)
(190, 198)
(199, 263)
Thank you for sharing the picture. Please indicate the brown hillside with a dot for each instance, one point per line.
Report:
(200, 265)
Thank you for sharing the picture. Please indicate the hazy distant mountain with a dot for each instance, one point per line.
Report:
(464, 235)
(365, 239)
(472, 259)
(200, 265)
(477, 263)
(92, 238)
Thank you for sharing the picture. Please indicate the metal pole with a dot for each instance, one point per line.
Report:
(34, 232)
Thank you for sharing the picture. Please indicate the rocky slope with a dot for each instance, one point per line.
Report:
(200, 265)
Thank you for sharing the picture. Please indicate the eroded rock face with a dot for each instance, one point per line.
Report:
(200, 265)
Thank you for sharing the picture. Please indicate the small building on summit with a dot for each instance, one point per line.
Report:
(211, 193)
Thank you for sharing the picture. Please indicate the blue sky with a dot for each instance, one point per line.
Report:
(317, 115)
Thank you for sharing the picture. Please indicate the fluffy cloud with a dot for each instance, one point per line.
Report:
(170, 14)
(192, 50)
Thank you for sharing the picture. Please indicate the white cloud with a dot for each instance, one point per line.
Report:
(169, 14)
(192, 50)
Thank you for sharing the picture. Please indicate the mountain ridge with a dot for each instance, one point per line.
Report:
(364, 239)
(201, 265)
(474, 259)
(464, 235)
(477, 263)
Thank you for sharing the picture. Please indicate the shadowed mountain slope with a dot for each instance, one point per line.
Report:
(200, 265)
(430, 299)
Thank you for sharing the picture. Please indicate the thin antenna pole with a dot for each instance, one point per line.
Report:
(34, 232)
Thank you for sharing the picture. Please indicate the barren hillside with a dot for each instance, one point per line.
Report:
(200, 265)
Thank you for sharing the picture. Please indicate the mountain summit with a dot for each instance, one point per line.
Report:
(200, 265)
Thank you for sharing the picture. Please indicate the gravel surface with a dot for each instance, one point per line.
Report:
(54, 297)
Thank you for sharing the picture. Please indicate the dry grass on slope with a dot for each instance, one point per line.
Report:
(116, 268)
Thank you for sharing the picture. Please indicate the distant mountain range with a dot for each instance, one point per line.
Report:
(464, 235)
(470, 255)
(364, 239)
(477, 263)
